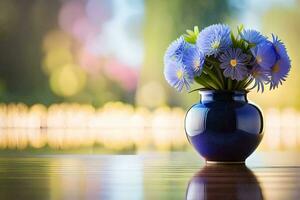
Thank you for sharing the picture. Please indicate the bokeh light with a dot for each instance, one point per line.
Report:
(86, 39)
(67, 80)
(99, 11)
(95, 53)
(117, 126)
(56, 59)
(70, 12)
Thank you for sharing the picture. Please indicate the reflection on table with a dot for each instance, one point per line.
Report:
(224, 182)
(152, 175)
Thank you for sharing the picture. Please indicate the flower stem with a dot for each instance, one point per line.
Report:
(220, 75)
(247, 83)
(212, 76)
(201, 81)
(216, 65)
(240, 84)
(229, 84)
(210, 82)
(212, 61)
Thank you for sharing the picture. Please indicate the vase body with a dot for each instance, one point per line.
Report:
(224, 126)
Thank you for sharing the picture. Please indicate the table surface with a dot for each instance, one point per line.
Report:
(154, 175)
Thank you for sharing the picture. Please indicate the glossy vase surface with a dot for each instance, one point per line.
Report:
(224, 126)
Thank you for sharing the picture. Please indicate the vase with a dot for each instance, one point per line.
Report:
(224, 127)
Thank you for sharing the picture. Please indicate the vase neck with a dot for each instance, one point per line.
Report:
(215, 96)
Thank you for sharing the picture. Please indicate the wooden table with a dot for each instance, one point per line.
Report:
(156, 175)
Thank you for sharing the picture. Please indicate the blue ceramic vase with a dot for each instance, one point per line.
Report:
(224, 127)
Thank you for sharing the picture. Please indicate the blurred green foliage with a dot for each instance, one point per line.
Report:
(23, 25)
(165, 21)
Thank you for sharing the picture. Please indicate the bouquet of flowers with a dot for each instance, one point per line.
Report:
(218, 59)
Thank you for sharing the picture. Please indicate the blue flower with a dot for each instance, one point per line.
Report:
(279, 47)
(282, 66)
(279, 72)
(260, 76)
(253, 36)
(176, 50)
(178, 75)
(214, 39)
(264, 54)
(234, 62)
(194, 59)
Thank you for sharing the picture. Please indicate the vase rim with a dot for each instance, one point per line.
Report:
(237, 92)
(223, 95)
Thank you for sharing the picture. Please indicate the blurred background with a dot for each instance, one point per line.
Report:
(86, 75)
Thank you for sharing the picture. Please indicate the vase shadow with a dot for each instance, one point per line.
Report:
(224, 182)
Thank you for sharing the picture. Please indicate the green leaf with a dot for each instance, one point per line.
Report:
(238, 85)
(220, 75)
(251, 45)
(240, 28)
(247, 83)
(196, 30)
(212, 61)
(233, 39)
(191, 36)
(197, 89)
(243, 84)
(213, 77)
(190, 32)
(201, 80)
(189, 39)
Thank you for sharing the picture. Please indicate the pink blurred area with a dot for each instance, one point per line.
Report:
(125, 75)
(87, 25)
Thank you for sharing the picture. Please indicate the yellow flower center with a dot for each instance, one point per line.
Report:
(179, 74)
(196, 64)
(258, 59)
(233, 62)
(215, 44)
(275, 68)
